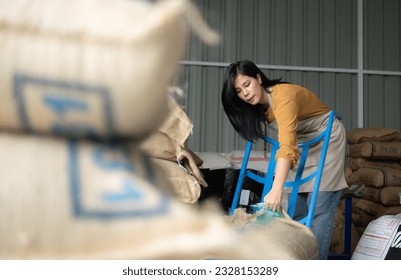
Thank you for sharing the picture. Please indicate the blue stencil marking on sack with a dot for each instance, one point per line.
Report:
(124, 199)
(61, 105)
(128, 192)
(119, 160)
(65, 102)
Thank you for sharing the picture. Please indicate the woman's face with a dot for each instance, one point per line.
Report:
(249, 89)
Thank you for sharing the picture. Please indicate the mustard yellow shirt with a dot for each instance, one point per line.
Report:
(290, 104)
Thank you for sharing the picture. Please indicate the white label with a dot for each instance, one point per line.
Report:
(244, 198)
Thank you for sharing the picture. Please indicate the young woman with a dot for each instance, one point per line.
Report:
(250, 100)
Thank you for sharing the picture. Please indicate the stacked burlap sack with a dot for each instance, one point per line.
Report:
(374, 173)
(338, 239)
(167, 149)
(82, 84)
(79, 70)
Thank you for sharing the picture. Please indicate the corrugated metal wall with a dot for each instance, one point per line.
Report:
(315, 43)
(382, 41)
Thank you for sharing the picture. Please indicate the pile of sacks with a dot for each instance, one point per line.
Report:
(83, 85)
(373, 173)
(167, 149)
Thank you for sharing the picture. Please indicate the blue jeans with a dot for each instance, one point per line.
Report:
(323, 219)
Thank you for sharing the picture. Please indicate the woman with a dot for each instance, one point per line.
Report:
(250, 100)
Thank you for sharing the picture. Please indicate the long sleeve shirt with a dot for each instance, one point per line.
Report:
(289, 104)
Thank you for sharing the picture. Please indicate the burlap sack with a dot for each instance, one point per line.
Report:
(347, 175)
(338, 234)
(371, 193)
(388, 196)
(90, 67)
(177, 126)
(391, 196)
(390, 210)
(376, 150)
(64, 199)
(364, 206)
(376, 177)
(356, 163)
(350, 180)
(360, 135)
(186, 188)
(282, 238)
(362, 219)
(168, 143)
(160, 146)
(374, 209)
(360, 230)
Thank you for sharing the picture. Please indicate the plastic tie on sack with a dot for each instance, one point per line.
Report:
(264, 217)
(267, 213)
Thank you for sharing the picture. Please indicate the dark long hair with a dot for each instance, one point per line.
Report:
(246, 119)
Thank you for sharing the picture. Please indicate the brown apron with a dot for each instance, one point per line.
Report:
(333, 178)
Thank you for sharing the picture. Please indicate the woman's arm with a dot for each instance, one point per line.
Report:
(273, 198)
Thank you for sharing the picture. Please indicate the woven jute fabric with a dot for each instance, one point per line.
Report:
(90, 200)
(360, 135)
(167, 148)
(376, 150)
(95, 67)
(376, 177)
(388, 196)
(281, 238)
(356, 163)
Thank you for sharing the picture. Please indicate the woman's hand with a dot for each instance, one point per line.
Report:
(273, 199)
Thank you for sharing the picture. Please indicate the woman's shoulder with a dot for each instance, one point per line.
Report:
(288, 87)
(290, 90)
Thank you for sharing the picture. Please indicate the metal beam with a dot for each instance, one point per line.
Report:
(296, 68)
(360, 99)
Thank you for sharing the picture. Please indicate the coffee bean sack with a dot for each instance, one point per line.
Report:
(360, 135)
(371, 193)
(388, 196)
(356, 163)
(160, 146)
(365, 206)
(177, 125)
(95, 68)
(376, 150)
(362, 219)
(64, 199)
(69, 199)
(169, 139)
(185, 186)
(338, 234)
(166, 146)
(281, 238)
(375, 177)
(100, 68)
